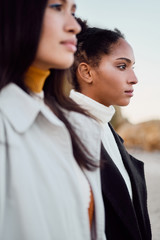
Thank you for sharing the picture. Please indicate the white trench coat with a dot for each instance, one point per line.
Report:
(39, 196)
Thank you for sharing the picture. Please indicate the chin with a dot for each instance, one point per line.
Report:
(124, 104)
(67, 63)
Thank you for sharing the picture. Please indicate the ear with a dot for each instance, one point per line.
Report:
(84, 72)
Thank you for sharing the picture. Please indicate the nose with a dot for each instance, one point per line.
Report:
(133, 78)
(72, 25)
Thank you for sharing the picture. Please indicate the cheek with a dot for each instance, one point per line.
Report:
(47, 41)
(50, 29)
(105, 80)
(48, 36)
(105, 74)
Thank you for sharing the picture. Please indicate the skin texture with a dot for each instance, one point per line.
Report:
(58, 37)
(111, 82)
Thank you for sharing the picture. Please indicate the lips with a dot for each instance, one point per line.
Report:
(70, 44)
(129, 92)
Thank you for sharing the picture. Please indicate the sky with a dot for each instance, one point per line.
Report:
(139, 21)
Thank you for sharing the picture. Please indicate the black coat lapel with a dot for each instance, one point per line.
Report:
(135, 169)
(115, 191)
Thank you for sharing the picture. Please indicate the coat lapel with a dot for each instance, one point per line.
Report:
(115, 191)
(135, 169)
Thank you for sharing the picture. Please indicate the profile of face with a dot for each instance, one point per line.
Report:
(111, 82)
(57, 43)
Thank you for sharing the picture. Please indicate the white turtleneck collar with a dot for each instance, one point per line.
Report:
(102, 113)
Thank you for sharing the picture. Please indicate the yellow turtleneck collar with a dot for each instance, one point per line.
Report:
(35, 78)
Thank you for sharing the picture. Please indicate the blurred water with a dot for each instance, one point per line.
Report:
(152, 171)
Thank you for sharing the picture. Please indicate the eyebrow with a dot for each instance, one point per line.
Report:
(125, 59)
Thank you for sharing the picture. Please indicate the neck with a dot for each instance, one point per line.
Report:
(35, 78)
(102, 113)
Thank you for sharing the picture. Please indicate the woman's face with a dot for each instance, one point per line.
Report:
(57, 43)
(114, 78)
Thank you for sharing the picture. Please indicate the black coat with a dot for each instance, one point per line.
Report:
(125, 219)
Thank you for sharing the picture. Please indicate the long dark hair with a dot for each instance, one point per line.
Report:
(20, 29)
(93, 43)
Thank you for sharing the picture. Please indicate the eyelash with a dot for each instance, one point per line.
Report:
(58, 7)
(122, 67)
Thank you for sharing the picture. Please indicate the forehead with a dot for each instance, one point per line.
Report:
(119, 51)
(122, 47)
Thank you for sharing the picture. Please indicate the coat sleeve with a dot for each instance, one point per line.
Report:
(3, 163)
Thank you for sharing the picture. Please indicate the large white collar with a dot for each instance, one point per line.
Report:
(20, 108)
(102, 113)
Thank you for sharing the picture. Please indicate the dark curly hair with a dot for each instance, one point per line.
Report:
(93, 43)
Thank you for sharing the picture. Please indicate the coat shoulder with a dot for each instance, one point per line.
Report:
(88, 130)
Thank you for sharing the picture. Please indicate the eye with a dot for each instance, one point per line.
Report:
(73, 10)
(56, 6)
(122, 66)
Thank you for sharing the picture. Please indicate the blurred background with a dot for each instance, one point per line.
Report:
(139, 122)
(139, 21)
